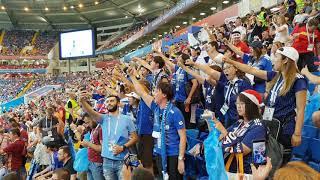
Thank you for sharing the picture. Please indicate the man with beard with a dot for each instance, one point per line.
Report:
(95, 171)
(118, 134)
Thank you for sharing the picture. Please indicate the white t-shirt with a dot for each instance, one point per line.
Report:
(217, 60)
(242, 30)
(282, 36)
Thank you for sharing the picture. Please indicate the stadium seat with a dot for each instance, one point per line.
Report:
(315, 166)
(315, 150)
(192, 138)
(301, 151)
(294, 158)
(310, 131)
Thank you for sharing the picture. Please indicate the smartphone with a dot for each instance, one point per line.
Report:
(259, 152)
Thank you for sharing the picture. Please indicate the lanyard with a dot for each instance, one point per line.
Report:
(95, 129)
(229, 92)
(309, 36)
(116, 128)
(164, 115)
(47, 123)
(275, 91)
(155, 80)
(163, 138)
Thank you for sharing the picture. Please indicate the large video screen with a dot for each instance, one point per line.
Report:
(75, 44)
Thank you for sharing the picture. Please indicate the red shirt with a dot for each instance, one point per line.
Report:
(95, 138)
(244, 48)
(24, 135)
(301, 42)
(15, 155)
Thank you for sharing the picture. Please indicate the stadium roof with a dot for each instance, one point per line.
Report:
(115, 15)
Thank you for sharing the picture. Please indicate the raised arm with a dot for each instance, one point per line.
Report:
(234, 49)
(206, 69)
(142, 63)
(192, 73)
(211, 36)
(169, 64)
(122, 78)
(93, 114)
(313, 78)
(247, 69)
(140, 89)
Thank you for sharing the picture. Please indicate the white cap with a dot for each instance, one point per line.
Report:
(133, 94)
(289, 52)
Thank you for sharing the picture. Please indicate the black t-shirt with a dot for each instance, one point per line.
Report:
(46, 125)
(69, 166)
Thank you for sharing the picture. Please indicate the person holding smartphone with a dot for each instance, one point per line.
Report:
(239, 137)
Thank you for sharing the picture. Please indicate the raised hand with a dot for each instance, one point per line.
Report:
(226, 59)
(262, 172)
(305, 70)
(190, 62)
(181, 64)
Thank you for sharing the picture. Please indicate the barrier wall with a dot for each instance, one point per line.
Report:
(40, 92)
(28, 97)
(23, 71)
(138, 53)
(12, 104)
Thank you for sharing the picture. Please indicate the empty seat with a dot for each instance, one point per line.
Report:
(314, 165)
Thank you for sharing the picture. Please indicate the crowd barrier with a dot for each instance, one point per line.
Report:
(40, 92)
(12, 104)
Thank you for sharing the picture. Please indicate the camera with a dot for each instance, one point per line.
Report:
(131, 160)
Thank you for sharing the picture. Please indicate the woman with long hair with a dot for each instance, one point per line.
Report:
(286, 99)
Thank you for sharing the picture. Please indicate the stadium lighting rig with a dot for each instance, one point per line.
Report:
(68, 5)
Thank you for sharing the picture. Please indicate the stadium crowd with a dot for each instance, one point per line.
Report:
(129, 32)
(10, 88)
(137, 120)
(15, 40)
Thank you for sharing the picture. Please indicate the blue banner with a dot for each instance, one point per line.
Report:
(138, 53)
(23, 71)
(12, 104)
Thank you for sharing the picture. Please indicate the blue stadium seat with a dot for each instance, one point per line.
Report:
(192, 138)
(301, 151)
(310, 131)
(315, 150)
(294, 158)
(315, 166)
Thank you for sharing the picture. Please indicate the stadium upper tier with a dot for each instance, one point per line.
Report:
(18, 42)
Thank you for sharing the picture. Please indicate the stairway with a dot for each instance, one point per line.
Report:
(2, 36)
(25, 89)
